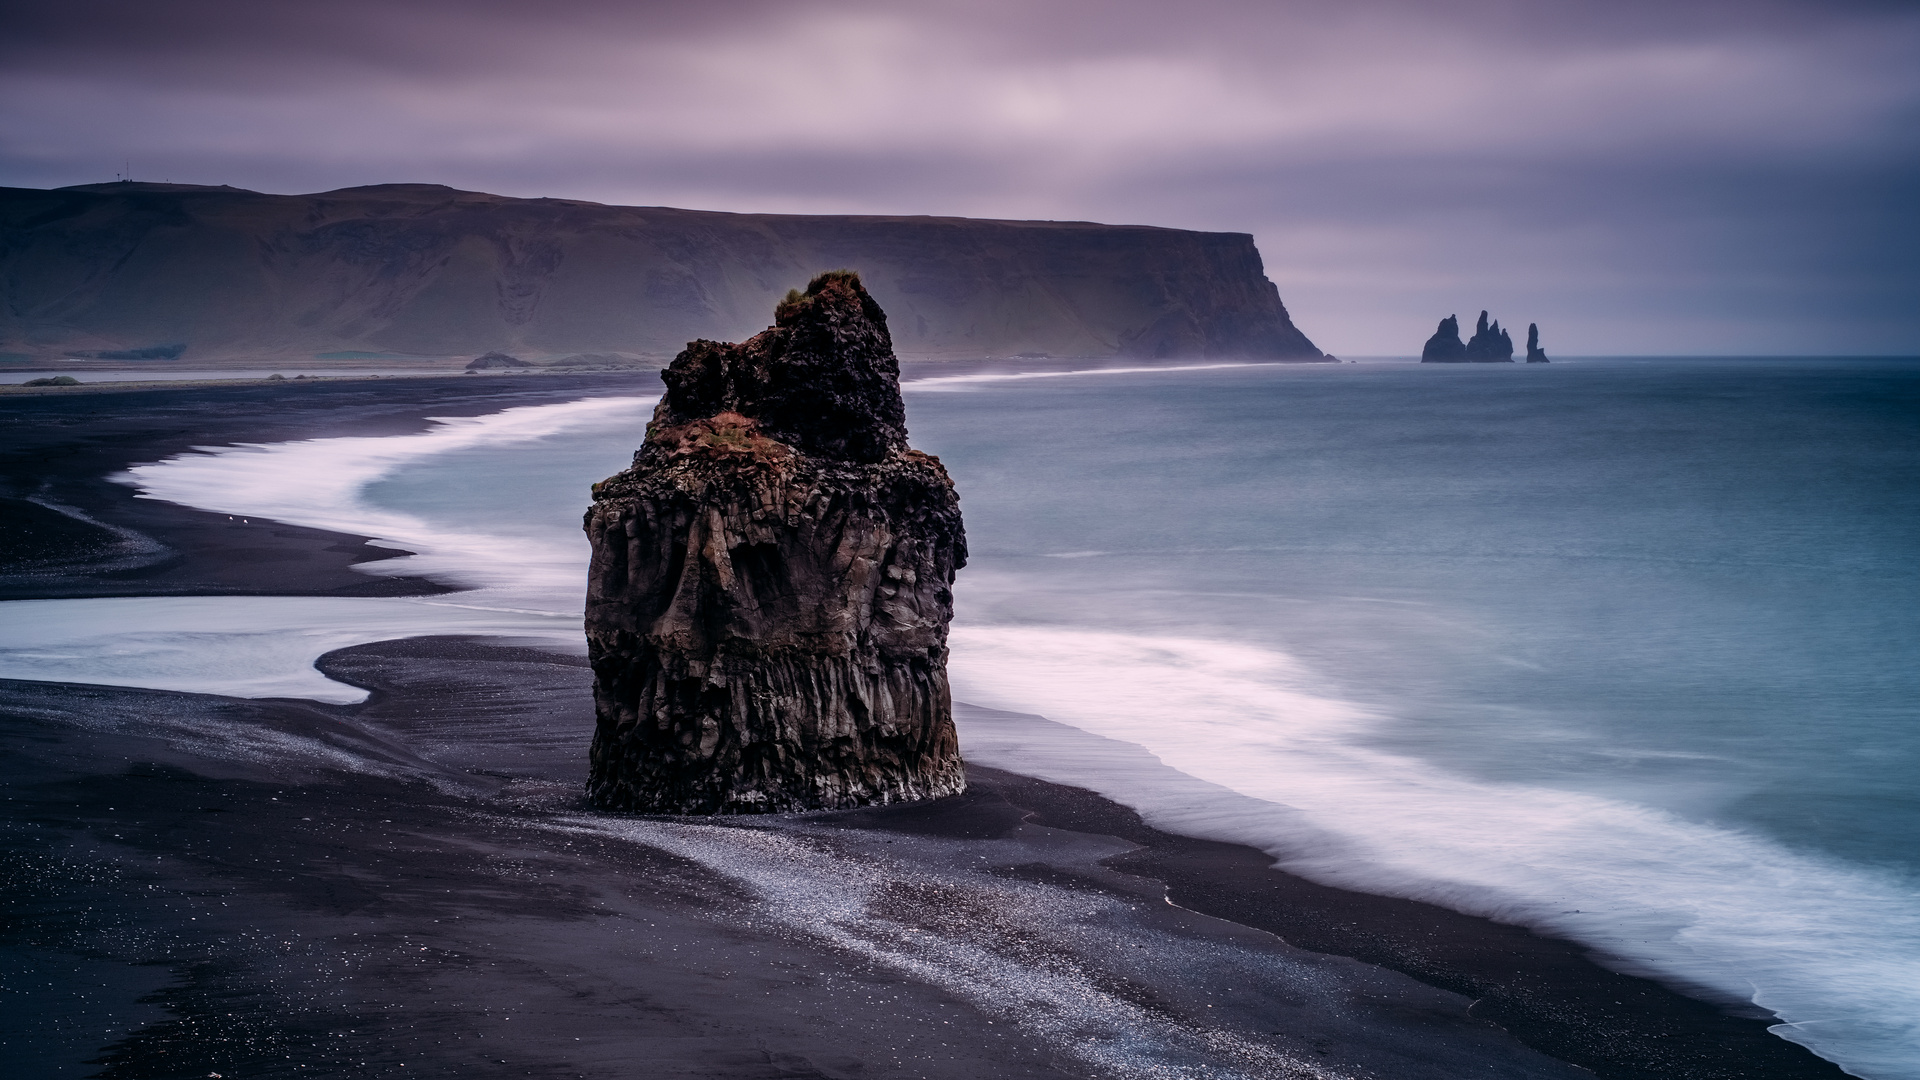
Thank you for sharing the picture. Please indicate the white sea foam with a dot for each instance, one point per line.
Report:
(1260, 754)
(321, 483)
(527, 586)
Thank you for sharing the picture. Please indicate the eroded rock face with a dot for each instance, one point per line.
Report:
(1535, 354)
(771, 582)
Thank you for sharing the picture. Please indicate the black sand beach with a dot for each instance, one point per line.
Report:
(199, 885)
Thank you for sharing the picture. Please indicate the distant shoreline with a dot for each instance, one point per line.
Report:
(96, 381)
(111, 385)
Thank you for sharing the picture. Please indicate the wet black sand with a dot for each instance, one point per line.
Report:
(198, 885)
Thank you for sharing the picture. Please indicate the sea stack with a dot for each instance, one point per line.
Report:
(1535, 354)
(771, 581)
(1445, 346)
(1489, 344)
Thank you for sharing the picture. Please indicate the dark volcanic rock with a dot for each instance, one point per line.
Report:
(1445, 346)
(823, 380)
(1535, 354)
(1490, 344)
(771, 581)
(495, 360)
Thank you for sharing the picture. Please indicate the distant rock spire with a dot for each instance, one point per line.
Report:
(1445, 346)
(1535, 354)
(1490, 344)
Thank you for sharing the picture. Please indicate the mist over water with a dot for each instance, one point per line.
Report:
(1621, 650)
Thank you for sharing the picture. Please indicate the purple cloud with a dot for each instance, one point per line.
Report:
(1635, 177)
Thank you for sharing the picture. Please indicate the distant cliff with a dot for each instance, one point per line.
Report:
(211, 273)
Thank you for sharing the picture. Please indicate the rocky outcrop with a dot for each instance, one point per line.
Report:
(1535, 354)
(597, 362)
(771, 581)
(496, 361)
(1445, 346)
(1489, 344)
(421, 270)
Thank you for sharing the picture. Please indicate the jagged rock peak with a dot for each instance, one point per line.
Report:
(1535, 354)
(823, 379)
(771, 582)
(1490, 344)
(1445, 346)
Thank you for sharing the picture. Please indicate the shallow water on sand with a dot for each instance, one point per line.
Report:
(1619, 649)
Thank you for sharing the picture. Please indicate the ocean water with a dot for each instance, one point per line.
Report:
(1618, 649)
(489, 502)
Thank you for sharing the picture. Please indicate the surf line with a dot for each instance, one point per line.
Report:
(260, 646)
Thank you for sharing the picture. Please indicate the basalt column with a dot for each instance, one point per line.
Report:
(771, 583)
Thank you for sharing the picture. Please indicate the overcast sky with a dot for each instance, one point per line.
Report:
(1637, 177)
